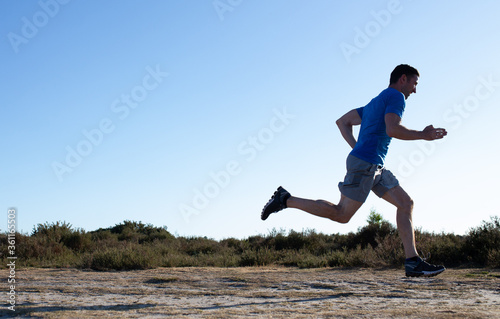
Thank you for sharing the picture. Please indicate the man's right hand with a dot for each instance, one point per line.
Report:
(431, 133)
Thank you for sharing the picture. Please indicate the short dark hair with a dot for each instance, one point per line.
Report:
(400, 70)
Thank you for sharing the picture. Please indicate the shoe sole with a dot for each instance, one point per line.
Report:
(276, 193)
(265, 216)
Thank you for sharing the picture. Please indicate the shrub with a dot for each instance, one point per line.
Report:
(258, 257)
(337, 258)
(54, 232)
(483, 243)
(366, 257)
(443, 248)
(137, 232)
(201, 245)
(60, 234)
(390, 250)
(127, 258)
(134, 245)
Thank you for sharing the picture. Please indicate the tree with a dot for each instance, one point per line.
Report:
(374, 218)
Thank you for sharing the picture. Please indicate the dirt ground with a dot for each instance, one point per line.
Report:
(254, 293)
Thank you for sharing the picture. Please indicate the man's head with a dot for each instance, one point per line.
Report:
(404, 78)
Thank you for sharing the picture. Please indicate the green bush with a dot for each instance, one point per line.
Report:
(134, 245)
(483, 243)
(54, 232)
(337, 258)
(447, 249)
(195, 246)
(389, 249)
(61, 234)
(135, 232)
(130, 257)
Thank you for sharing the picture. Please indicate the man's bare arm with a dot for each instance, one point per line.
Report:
(345, 124)
(396, 130)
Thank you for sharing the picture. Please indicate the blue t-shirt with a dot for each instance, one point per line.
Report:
(373, 141)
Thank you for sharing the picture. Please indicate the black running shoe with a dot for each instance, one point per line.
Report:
(422, 268)
(276, 203)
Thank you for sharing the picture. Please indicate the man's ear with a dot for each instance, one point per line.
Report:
(403, 79)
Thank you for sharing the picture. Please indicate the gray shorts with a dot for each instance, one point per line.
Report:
(362, 177)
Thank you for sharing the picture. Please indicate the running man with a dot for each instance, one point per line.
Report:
(380, 121)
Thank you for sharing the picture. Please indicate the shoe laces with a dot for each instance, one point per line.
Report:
(428, 256)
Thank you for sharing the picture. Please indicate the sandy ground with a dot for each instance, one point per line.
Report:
(255, 292)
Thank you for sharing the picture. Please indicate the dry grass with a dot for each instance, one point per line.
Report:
(259, 292)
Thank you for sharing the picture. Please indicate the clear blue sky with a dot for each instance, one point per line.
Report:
(189, 115)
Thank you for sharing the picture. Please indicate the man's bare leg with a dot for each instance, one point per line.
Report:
(341, 213)
(399, 198)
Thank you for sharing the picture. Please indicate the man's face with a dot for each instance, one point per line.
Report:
(409, 86)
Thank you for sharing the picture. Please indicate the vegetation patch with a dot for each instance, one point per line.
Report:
(134, 246)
